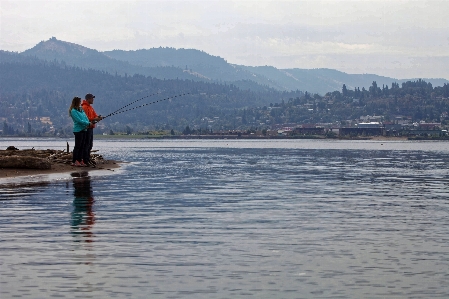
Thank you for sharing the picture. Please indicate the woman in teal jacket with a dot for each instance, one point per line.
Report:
(80, 124)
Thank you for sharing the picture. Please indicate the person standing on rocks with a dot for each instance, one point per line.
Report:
(80, 124)
(93, 118)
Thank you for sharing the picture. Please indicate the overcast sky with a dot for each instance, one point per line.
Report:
(399, 39)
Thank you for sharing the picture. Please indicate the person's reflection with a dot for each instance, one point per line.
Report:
(83, 216)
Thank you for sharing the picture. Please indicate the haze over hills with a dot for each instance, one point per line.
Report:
(191, 64)
(37, 87)
(34, 90)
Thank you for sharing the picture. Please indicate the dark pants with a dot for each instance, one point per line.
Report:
(88, 144)
(80, 144)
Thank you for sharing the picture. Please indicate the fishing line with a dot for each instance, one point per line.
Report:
(118, 111)
(131, 104)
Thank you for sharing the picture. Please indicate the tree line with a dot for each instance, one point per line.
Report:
(37, 93)
(35, 90)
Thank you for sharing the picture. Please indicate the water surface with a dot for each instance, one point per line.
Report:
(233, 219)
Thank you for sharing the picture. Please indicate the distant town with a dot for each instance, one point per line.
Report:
(369, 126)
(36, 93)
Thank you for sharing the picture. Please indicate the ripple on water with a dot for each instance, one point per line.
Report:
(214, 222)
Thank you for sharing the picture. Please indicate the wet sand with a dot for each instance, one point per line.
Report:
(56, 168)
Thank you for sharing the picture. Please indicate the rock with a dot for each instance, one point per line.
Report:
(12, 148)
(24, 162)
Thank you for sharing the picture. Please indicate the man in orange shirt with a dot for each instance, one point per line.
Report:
(93, 117)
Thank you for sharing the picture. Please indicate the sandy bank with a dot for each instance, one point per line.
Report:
(59, 163)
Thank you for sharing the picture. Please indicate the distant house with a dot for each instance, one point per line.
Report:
(371, 118)
(429, 126)
(392, 129)
(282, 133)
(364, 129)
(372, 124)
(308, 131)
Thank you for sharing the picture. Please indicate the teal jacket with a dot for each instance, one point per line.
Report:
(80, 120)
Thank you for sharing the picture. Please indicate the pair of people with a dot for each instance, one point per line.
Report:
(84, 118)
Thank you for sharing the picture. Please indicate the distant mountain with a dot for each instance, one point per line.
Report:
(160, 63)
(79, 56)
(326, 80)
(183, 58)
(196, 63)
(218, 69)
(191, 64)
(31, 88)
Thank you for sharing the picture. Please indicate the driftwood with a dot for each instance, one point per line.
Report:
(37, 159)
(24, 162)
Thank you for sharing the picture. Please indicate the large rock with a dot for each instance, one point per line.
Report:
(24, 162)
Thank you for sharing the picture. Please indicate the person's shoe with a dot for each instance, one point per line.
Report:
(76, 164)
(82, 164)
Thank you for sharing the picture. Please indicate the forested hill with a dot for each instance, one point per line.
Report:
(196, 63)
(191, 64)
(215, 68)
(163, 63)
(36, 90)
(71, 54)
(33, 88)
(35, 96)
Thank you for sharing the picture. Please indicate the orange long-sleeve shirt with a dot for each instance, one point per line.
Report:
(90, 112)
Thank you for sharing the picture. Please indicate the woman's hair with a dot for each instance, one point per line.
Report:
(75, 104)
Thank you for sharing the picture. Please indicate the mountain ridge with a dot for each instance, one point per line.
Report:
(197, 65)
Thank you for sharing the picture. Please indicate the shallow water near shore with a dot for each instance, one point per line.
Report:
(233, 219)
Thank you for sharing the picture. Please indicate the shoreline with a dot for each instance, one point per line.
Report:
(56, 168)
(244, 137)
(257, 137)
(29, 164)
(59, 167)
(13, 178)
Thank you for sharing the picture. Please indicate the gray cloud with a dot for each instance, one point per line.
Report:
(391, 38)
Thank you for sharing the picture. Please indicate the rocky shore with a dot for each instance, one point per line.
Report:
(15, 162)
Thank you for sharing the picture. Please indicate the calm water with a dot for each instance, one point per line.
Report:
(233, 219)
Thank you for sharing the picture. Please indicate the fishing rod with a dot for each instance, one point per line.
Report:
(118, 111)
(131, 104)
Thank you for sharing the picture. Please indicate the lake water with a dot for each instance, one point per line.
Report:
(232, 219)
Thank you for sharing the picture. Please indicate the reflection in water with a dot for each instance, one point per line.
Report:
(20, 190)
(83, 216)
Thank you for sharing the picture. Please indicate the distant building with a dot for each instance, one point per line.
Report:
(372, 124)
(308, 131)
(392, 129)
(364, 129)
(429, 126)
(371, 118)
